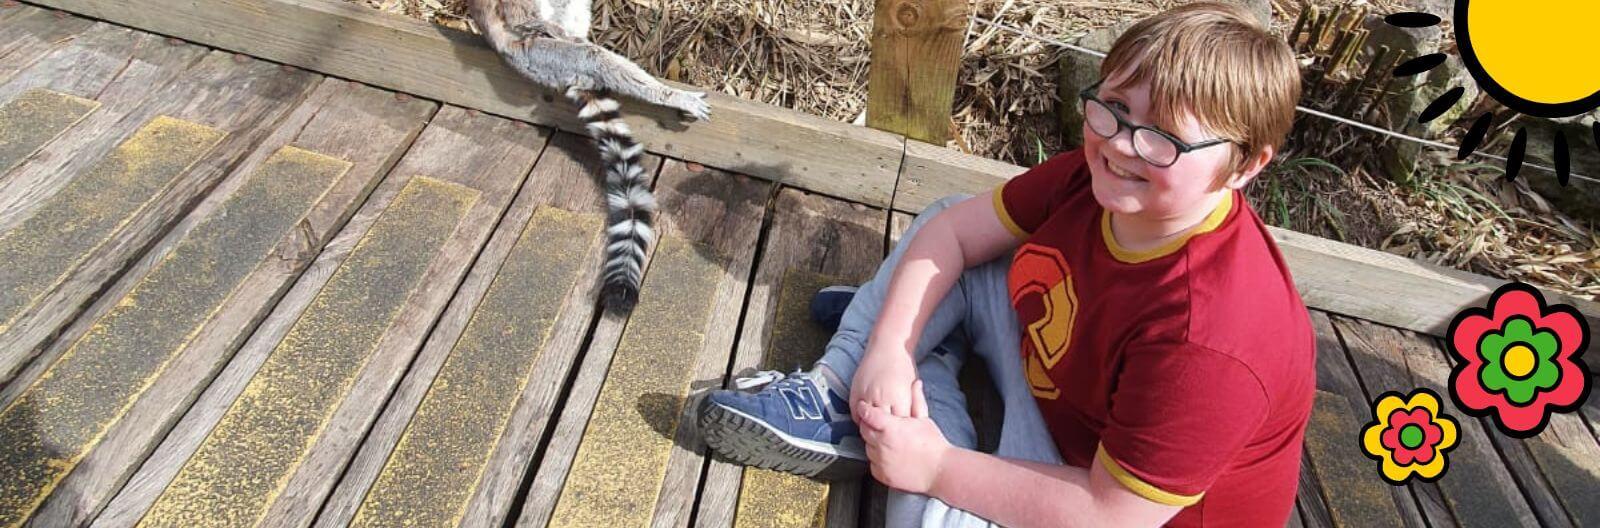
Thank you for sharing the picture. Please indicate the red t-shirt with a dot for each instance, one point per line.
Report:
(1188, 370)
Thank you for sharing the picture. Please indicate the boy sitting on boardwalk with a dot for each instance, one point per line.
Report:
(1154, 357)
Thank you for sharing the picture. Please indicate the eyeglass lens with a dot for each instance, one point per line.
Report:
(1153, 147)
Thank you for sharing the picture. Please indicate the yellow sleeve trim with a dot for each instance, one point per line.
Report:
(1005, 217)
(1211, 222)
(1140, 487)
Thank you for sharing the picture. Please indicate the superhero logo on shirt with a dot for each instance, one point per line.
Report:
(1041, 291)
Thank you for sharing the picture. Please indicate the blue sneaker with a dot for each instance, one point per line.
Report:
(827, 306)
(793, 424)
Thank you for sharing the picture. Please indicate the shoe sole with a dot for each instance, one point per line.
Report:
(745, 440)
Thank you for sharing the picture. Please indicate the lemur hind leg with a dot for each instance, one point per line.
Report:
(586, 66)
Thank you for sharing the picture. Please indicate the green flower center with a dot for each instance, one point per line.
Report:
(1411, 436)
(1519, 361)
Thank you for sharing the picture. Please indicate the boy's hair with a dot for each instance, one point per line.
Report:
(1215, 61)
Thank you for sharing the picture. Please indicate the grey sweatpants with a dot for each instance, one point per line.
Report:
(976, 312)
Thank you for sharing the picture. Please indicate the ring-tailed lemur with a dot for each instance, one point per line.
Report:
(547, 41)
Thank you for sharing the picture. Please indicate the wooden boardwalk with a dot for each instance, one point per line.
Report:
(239, 293)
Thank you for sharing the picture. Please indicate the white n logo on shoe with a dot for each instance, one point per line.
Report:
(803, 405)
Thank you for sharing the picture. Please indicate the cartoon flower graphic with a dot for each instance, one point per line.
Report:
(1409, 436)
(1518, 360)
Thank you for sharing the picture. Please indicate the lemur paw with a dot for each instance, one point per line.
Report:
(692, 105)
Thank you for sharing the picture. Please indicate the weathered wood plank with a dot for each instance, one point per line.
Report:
(84, 65)
(778, 335)
(34, 118)
(826, 156)
(357, 125)
(932, 172)
(99, 377)
(1567, 459)
(1480, 490)
(29, 33)
(238, 471)
(239, 100)
(66, 227)
(434, 467)
(916, 53)
(352, 321)
(628, 400)
(1313, 508)
(1354, 497)
(1337, 461)
(1331, 276)
(563, 178)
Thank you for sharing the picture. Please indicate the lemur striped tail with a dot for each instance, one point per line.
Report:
(630, 205)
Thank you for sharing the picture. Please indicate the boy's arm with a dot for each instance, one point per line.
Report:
(1022, 493)
(966, 234)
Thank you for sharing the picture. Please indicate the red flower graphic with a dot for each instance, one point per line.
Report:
(1518, 360)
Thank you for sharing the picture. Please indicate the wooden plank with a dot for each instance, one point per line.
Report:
(826, 156)
(29, 33)
(932, 172)
(1568, 461)
(1313, 508)
(352, 322)
(237, 472)
(1480, 490)
(33, 119)
(899, 222)
(916, 53)
(563, 178)
(328, 123)
(1338, 462)
(237, 99)
(66, 228)
(1331, 276)
(778, 335)
(434, 467)
(1295, 520)
(635, 464)
(1353, 496)
(100, 376)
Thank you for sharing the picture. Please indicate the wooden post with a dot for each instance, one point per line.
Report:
(916, 52)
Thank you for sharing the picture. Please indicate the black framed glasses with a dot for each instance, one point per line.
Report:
(1155, 146)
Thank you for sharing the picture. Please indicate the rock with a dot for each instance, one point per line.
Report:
(1578, 199)
(1078, 70)
(1411, 95)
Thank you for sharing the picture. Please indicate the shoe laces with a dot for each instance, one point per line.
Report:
(762, 378)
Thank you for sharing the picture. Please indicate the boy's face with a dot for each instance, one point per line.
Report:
(1124, 183)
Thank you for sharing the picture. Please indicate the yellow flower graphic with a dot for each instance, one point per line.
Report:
(1409, 436)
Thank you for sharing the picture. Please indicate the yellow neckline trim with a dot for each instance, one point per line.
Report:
(1129, 256)
(1140, 487)
(1005, 217)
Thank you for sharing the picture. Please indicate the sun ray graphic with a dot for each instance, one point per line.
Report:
(1534, 58)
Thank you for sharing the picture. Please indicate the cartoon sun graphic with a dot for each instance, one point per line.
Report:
(1538, 58)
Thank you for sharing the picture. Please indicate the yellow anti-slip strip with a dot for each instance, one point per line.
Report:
(58, 420)
(86, 212)
(55, 422)
(33, 119)
(769, 498)
(619, 468)
(434, 469)
(243, 464)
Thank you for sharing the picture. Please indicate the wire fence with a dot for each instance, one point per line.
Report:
(1311, 111)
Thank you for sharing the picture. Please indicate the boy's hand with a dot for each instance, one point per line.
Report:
(884, 380)
(905, 453)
